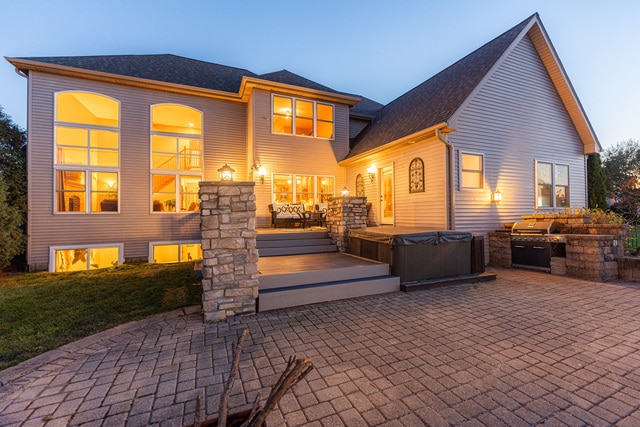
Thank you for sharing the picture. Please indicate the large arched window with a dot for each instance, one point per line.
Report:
(87, 157)
(176, 158)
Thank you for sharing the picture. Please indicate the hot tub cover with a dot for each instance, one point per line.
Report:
(398, 236)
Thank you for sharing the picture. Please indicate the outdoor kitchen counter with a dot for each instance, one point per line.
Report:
(415, 254)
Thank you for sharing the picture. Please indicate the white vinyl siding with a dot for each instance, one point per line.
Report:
(224, 133)
(515, 117)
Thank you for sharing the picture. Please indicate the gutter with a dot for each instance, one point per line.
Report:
(451, 202)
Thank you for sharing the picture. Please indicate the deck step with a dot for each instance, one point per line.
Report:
(294, 243)
(293, 296)
(309, 277)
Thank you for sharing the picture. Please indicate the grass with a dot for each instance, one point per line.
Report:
(43, 311)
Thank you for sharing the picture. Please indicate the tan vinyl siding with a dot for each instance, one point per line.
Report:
(294, 154)
(516, 118)
(425, 209)
(224, 133)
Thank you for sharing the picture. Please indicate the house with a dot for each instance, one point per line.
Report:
(118, 145)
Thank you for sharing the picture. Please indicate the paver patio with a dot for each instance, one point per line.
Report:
(528, 349)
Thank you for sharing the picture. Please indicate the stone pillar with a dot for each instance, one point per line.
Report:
(229, 254)
(500, 249)
(344, 214)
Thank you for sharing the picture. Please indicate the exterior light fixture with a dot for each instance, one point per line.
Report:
(372, 170)
(261, 173)
(345, 192)
(496, 197)
(226, 173)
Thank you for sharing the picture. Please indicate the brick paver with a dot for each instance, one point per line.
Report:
(528, 349)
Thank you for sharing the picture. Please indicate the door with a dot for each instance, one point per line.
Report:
(386, 195)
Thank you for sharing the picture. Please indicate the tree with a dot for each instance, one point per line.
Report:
(596, 183)
(621, 165)
(13, 190)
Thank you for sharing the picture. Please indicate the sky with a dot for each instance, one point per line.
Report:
(378, 49)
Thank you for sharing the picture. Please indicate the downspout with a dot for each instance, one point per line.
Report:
(451, 202)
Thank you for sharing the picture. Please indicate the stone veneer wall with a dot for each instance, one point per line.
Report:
(629, 268)
(344, 214)
(229, 254)
(500, 249)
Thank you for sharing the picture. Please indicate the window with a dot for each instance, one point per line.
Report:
(304, 189)
(471, 170)
(82, 258)
(416, 176)
(169, 252)
(295, 116)
(552, 189)
(359, 185)
(87, 155)
(176, 158)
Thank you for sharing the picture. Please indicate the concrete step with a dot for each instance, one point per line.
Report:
(293, 296)
(296, 250)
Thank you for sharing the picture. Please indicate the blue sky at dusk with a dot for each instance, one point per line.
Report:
(379, 49)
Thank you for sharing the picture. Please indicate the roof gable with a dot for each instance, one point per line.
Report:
(438, 99)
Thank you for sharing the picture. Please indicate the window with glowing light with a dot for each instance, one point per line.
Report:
(82, 258)
(295, 116)
(176, 158)
(307, 190)
(171, 252)
(471, 170)
(87, 152)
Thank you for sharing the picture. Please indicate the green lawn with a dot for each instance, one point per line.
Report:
(42, 311)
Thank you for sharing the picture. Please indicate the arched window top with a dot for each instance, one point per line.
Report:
(416, 175)
(176, 118)
(87, 108)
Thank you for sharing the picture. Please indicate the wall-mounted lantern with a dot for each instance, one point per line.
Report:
(345, 192)
(373, 171)
(226, 173)
(496, 197)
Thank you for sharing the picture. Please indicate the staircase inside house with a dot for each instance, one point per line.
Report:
(304, 267)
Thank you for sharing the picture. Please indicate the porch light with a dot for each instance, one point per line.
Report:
(345, 192)
(226, 173)
(496, 197)
(372, 170)
(261, 173)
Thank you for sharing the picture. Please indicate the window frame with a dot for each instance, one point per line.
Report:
(420, 180)
(88, 247)
(294, 190)
(173, 242)
(176, 173)
(294, 117)
(461, 171)
(87, 169)
(553, 186)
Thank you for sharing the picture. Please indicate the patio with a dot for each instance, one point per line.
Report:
(527, 349)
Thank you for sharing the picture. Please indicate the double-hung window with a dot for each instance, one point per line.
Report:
(552, 185)
(176, 158)
(471, 171)
(295, 116)
(304, 189)
(87, 145)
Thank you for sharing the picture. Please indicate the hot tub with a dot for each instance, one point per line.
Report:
(416, 254)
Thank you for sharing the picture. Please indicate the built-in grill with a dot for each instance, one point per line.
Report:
(533, 243)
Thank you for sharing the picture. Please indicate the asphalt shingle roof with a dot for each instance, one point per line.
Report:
(435, 100)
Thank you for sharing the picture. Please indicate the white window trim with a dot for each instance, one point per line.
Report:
(484, 171)
(53, 249)
(176, 173)
(171, 242)
(293, 117)
(87, 169)
(553, 183)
